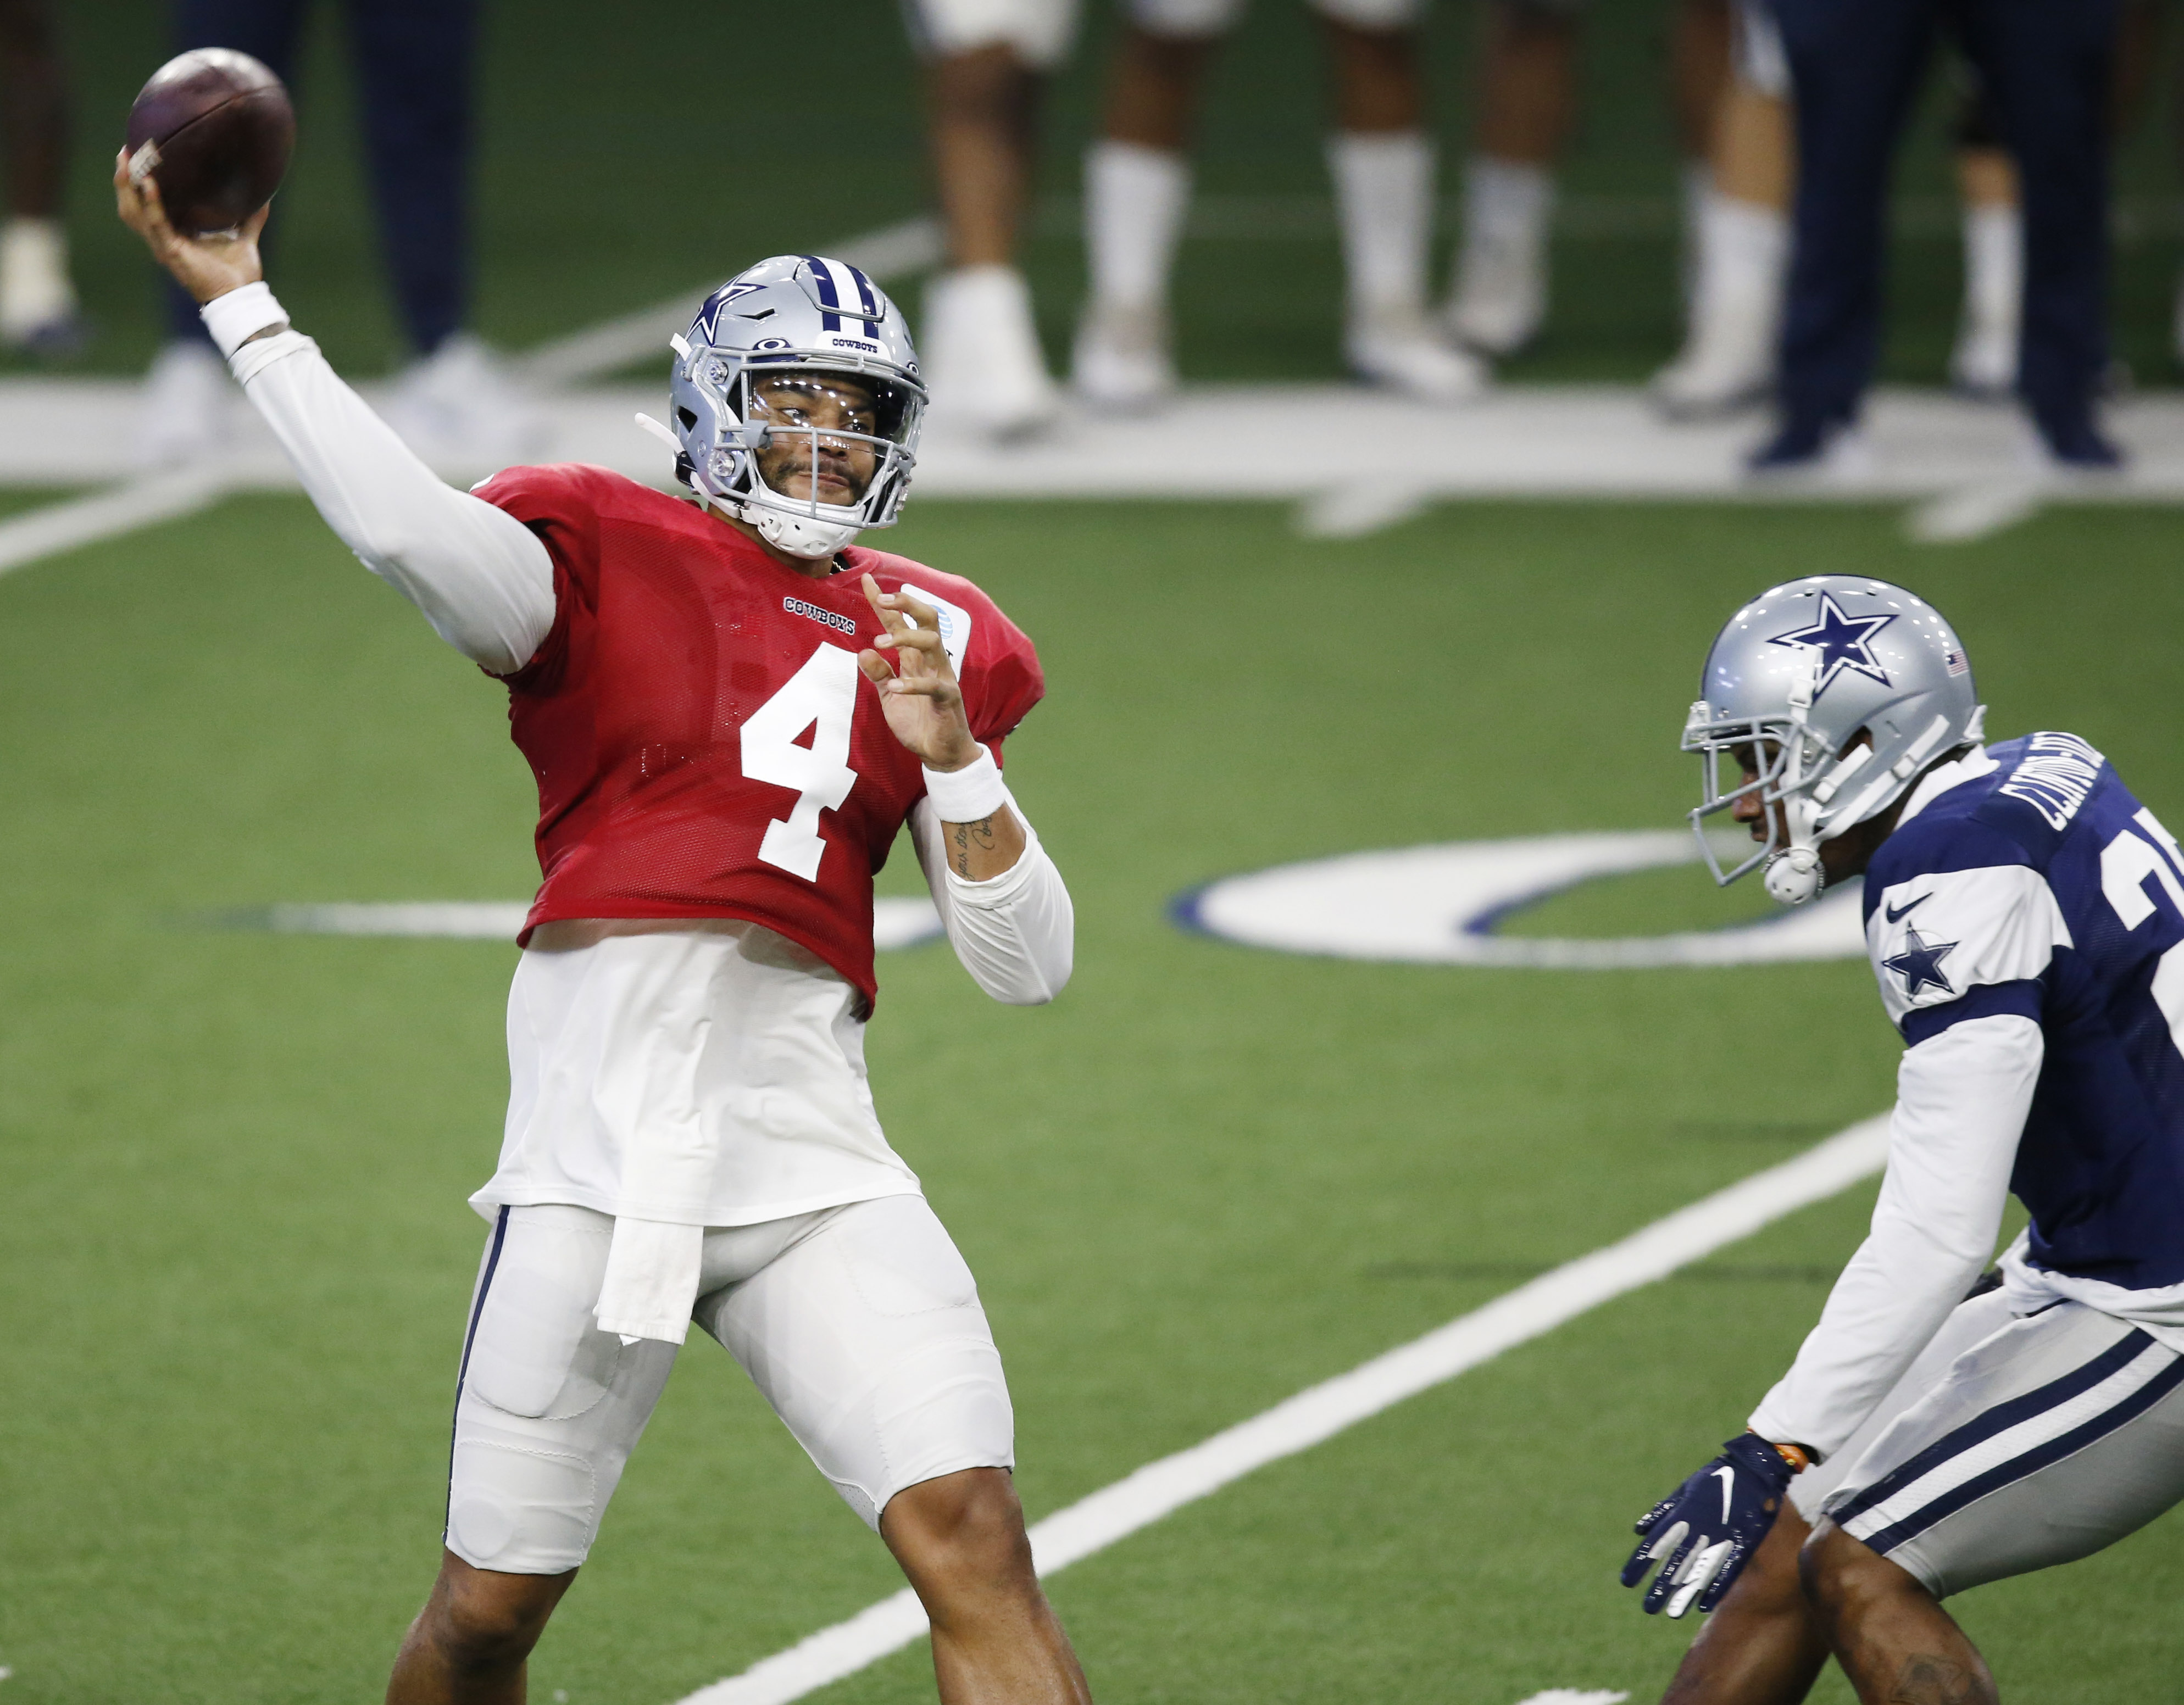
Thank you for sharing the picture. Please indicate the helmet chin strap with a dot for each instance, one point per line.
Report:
(1794, 874)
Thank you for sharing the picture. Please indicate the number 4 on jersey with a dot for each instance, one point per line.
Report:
(820, 697)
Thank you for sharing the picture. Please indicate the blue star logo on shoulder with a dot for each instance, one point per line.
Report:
(1843, 642)
(1919, 964)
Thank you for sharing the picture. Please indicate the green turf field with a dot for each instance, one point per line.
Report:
(236, 1253)
(623, 165)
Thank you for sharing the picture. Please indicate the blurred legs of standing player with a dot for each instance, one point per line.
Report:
(1527, 98)
(38, 302)
(1137, 193)
(1856, 66)
(1984, 362)
(987, 63)
(414, 61)
(1728, 359)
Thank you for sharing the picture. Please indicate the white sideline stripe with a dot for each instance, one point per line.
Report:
(44, 532)
(1575, 1695)
(1297, 1424)
(890, 251)
(1975, 511)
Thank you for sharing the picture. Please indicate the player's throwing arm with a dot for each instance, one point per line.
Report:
(2025, 916)
(731, 708)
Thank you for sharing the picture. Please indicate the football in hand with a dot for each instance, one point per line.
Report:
(213, 130)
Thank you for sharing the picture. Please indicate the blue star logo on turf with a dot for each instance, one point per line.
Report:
(1843, 642)
(1919, 964)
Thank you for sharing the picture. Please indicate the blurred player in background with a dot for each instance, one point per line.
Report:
(2025, 916)
(1137, 198)
(1856, 66)
(987, 63)
(415, 63)
(732, 709)
(38, 309)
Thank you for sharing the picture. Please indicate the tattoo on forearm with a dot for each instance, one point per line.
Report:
(981, 833)
(1930, 1680)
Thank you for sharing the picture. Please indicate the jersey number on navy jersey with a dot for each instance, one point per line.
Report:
(820, 697)
(2125, 863)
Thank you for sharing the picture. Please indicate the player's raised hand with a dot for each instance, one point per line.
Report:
(918, 691)
(204, 266)
(1703, 1532)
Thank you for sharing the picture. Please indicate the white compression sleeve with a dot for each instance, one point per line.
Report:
(482, 579)
(1961, 1099)
(1016, 932)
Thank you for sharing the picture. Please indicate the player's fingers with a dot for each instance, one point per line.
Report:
(875, 667)
(1696, 1575)
(1646, 1523)
(1677, 1537)
(255, 225)
(1724, 1577)
(884, 607)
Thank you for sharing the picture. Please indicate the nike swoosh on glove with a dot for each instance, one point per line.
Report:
(1709, 1526)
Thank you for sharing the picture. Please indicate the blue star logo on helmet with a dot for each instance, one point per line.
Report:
(1919, 964)
(1843, 642)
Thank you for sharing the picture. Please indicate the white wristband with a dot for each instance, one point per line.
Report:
(233, 319)
(969, 795)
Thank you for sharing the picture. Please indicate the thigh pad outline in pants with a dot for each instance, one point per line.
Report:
(550, 1407)
(2046, 1442)
(867, 1338)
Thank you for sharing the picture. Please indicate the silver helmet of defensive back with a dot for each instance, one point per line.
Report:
(808, 353)
(1792, 682)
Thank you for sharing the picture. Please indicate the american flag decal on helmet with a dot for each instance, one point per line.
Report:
(1955, 662)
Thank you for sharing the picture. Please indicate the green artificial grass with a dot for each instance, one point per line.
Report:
(237, 1253)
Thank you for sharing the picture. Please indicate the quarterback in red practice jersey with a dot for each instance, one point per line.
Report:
(732, 710)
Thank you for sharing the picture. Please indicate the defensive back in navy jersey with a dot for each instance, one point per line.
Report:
(2027, 880)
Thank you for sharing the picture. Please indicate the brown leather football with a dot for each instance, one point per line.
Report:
(213, 130)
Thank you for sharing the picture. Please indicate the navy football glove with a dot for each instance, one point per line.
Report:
(1709, 1526)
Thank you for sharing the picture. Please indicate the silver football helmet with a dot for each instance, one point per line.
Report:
(1794, 678)
(777, 348)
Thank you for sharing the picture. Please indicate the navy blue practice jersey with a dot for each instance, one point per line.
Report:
(2038, 885)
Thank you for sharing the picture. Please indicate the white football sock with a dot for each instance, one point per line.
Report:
(33, 277)
(1383, 196)
(1697, 184)
(1136, 198)
(1743, 248)
(1994, 268)
(1506, 203)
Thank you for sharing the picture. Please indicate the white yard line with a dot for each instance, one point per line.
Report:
(40, 533)
(1140, 1499)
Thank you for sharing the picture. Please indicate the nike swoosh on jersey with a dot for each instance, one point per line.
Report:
(1897, 913)
(1728, 1478)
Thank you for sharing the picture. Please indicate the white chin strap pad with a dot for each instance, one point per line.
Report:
(1795, 876)
(799, 535)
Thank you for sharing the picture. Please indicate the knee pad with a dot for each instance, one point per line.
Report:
(1040, 31)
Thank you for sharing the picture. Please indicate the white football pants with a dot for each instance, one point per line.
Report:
(861, 1326)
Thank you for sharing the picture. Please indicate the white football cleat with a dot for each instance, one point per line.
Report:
(1984, 362)
(1500, 295)
(1122, 361)
(1401, 349)
(186, 410)
(460, 408)
(37, 301)
(983, 367)
(1728, 365)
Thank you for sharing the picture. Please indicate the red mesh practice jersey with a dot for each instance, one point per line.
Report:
(705, 743)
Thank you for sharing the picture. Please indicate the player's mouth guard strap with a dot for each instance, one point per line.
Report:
(233, 319)
(969, 795)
